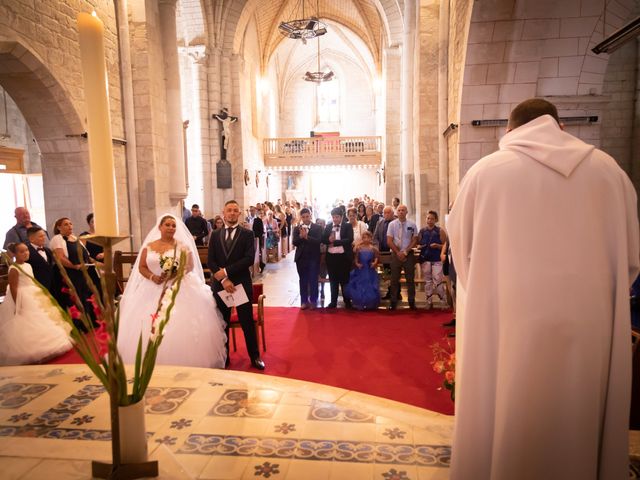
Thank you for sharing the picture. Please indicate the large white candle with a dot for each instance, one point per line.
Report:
(103, 182)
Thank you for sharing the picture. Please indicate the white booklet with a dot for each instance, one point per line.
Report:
(235, 299)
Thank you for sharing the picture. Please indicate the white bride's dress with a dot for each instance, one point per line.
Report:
(194, 335)
(31, 328)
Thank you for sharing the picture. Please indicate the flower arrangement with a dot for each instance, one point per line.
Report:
(89, 345)
(169, 264)
(444, 363)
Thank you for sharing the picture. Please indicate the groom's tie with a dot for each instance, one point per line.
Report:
(229, 238)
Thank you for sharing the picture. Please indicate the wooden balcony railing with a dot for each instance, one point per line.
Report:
(292, 152)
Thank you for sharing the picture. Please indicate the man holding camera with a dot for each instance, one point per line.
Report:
(306, 238)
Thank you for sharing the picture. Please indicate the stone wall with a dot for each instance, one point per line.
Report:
(251, 114)
(426, 117)
(519, 49)
(618, 113)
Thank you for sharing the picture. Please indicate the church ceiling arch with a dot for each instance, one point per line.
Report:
(377, 22)
(39, 95)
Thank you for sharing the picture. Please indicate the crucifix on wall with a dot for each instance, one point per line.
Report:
(223, 167)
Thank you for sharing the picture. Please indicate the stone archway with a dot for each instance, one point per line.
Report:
(52, 118)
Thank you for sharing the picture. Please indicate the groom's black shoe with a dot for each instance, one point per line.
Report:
(257, 363)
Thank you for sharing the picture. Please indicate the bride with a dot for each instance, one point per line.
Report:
(194, 335)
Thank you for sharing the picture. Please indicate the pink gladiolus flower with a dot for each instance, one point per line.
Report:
(74, 312)
(96, 309)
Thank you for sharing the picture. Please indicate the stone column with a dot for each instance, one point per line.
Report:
(391, 140)
(409, 186)
(128, 114)
(175, 148)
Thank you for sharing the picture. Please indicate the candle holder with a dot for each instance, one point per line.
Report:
(116, 469)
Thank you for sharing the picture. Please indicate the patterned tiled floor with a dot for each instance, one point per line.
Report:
(215, 424)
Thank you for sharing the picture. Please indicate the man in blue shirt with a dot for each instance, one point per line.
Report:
(402, 237)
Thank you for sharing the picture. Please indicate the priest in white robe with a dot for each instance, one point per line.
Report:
(544, 235)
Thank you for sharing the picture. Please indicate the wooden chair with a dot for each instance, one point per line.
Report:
(120, 259)
(258, 316)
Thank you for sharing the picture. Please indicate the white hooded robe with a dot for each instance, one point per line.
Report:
(544, 235)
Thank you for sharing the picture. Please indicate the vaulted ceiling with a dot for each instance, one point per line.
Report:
(362, 17)
(359, 16)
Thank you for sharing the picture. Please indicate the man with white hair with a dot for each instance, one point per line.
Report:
(18, 233)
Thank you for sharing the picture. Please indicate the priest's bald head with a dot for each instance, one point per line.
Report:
(530, 110)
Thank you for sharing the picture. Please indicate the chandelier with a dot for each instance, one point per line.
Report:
(303, 28)
(319, 76)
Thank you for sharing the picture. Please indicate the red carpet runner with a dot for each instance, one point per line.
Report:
(380, 353)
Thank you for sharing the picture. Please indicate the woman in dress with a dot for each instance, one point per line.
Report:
(362, 213)
(273, 232)
(281, 219)
(194, 335)
(72, 253)
(364, 286)
(431, 240)
(96, 252)
(32, 330)
(359, 227)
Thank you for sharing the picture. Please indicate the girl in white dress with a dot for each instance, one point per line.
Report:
(32, 330)
(194, 335)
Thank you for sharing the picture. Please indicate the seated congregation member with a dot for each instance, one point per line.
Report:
(359, 227)
(96, 252)
(338, 236)
(431, 240)
(32, 330)
(18, 233)
(72, 253)
(307, 238)
(194, 335)
(364, 286)
(197, 225)
(402, 236)
(40, 257)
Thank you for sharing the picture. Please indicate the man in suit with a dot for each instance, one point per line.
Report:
(231, 255)
(306, 238)
(40, 256)
(338, 236)
(197, 225)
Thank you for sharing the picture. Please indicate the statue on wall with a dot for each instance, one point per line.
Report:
(226, 120)
(223, 167)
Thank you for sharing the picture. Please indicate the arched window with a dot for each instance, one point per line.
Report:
(328, 107)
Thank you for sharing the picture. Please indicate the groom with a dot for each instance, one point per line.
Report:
(231, 255)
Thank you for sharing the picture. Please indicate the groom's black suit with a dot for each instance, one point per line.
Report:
(236, 261)
(42, 269)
